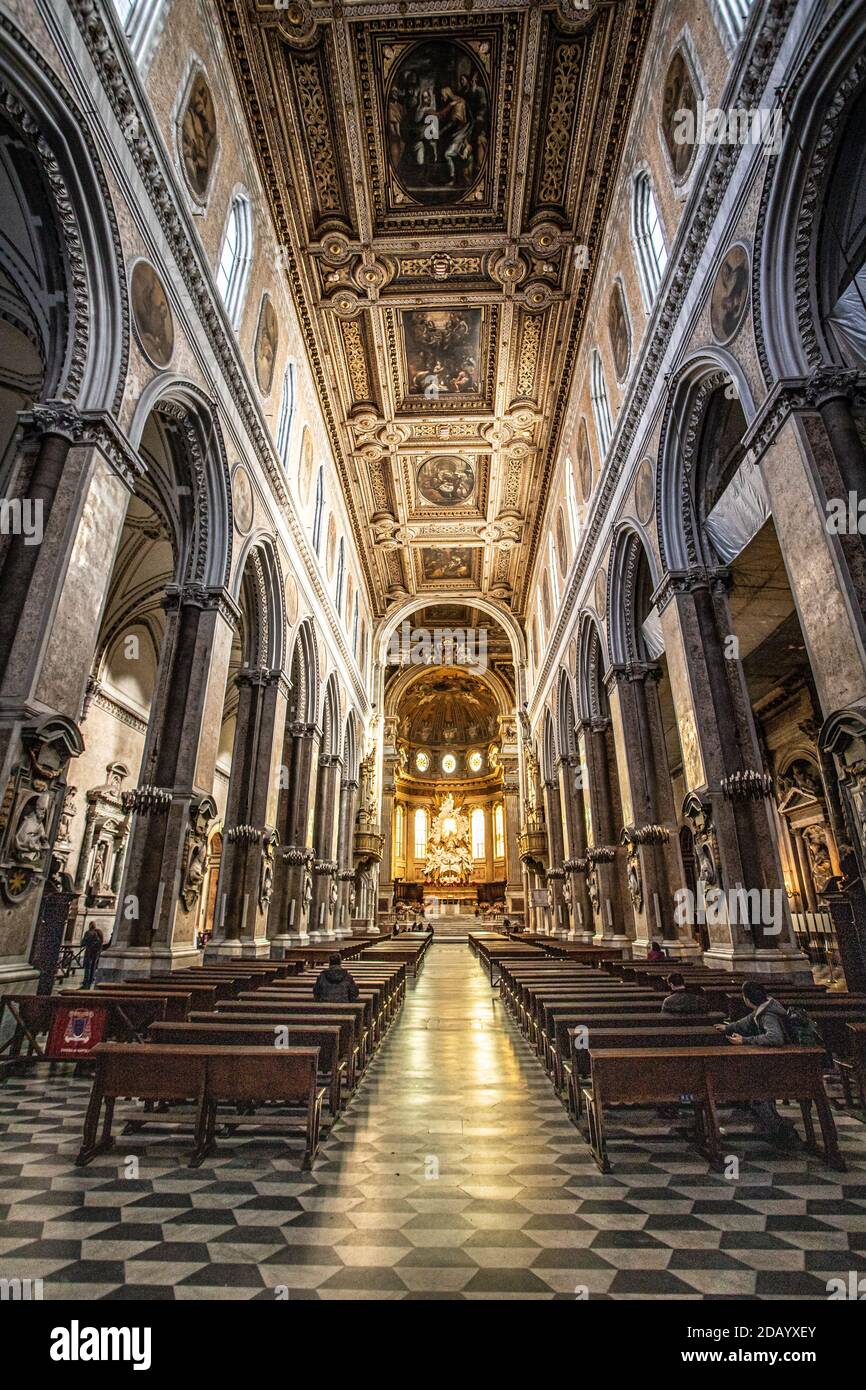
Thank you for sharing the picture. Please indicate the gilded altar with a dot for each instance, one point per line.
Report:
(449, 851)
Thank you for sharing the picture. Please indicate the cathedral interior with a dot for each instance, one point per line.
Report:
(432, 478)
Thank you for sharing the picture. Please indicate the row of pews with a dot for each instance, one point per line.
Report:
(597, 1027)
(243, 1036)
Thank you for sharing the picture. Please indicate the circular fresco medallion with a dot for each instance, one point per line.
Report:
(422, 762)
(446, 480)
(331, 546)
(242, 500)
(644, 492)
(437, 111)
(561, 543)
(584, 464)
(198, 137)
(600, 593)
(679, 116)
(730, 294)
(291, 600)
(151, 314)
(305, 472)
(267, 338)
(476, 762)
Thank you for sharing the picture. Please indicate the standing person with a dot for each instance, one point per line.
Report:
(683, 1000)
(92, 943)
(335, 985)
(765, 1026)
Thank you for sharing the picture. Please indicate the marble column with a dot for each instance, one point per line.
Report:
(325, 866)
(649, 832)
(571, 784)
(289, 917)
(80, 468)
(249, 838)
(155, 928)
(555, 875)
(345, 856)
(606, 872)
(748, 916)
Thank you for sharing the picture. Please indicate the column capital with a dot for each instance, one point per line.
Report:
(209, 598)
(95, 429)
(801, 395)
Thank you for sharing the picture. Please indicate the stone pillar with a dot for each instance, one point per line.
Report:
(249, 839)
(571, 773)
(345, 856)
(555, 875)
(325, 866)
(727, 802)
(80, 468)
(605, 874)
(288, 918)
(649, 831)
(155, 928)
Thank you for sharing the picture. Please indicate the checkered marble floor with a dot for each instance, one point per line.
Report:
(454, 1173)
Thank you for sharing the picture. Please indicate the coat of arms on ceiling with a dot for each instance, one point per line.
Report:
(446, 480)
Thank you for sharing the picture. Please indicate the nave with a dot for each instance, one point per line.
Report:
(454, 1172)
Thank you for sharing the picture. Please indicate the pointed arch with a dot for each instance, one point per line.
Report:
(566, 715)
(304, 675)
(548, 748)
(350, 749)
(259, 591)
(633, 579)
(591, 669)
(331, 721)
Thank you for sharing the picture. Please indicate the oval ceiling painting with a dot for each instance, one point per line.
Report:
(730, 294)
(151, 314)
(446, 481)
(438, 121)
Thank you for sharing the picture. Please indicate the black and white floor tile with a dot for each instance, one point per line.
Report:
(454, 1173)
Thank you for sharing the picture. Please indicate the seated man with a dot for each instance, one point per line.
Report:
(681, 999)
(335, 985)
(765, 1026)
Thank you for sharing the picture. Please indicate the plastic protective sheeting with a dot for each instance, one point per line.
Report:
(739, 513)
(848, 318)
(651, 630)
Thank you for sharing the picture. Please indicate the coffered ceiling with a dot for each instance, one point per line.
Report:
(431, 169)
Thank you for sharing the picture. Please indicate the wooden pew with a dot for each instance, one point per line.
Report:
(215, 1032)
(712, 1076)
(279, 1011)
(206, 1075)
(203, 996)
(584, 1046)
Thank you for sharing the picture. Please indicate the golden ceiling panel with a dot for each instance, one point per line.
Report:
(430, 174)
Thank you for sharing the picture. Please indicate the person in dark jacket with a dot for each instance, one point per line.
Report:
(682, 1000)
(765, 1026)
(93, 944)
(655, 952)
(335, 985)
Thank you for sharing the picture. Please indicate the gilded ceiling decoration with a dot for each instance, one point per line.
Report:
(431, 173)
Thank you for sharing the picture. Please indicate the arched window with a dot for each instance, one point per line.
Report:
(233, 271)
(319, 512)
(542, 631)
(355, 616)
(600, 403)
(499, 831)
(477, 819)
(341, 575)
(647, 238)
(287, 415)
(140, 21)
(399, 831)
(731, 17)
(420, 833)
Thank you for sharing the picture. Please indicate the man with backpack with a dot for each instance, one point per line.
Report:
(335, 985)
(767, 1025)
